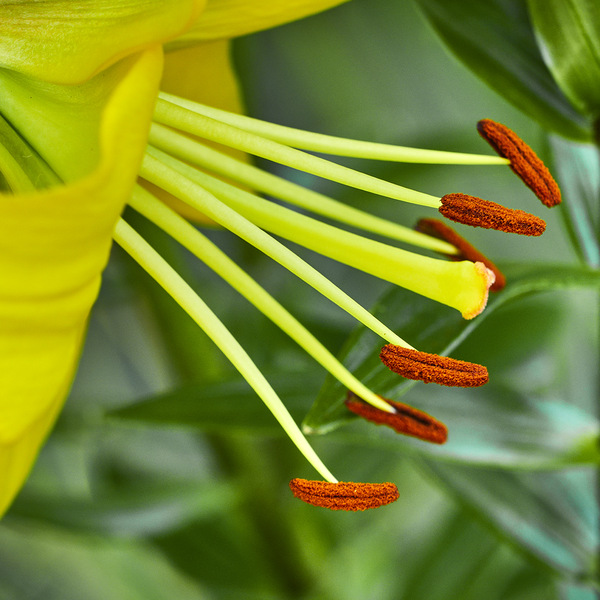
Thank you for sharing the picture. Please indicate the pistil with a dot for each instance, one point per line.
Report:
(462, 285)
(465, 250)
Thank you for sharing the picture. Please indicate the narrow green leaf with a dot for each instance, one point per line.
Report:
(498, 428)
(226, 406)
(578, 166)
(139, 512)
(552, 516)
(429, 327)
(502, 428)
(496, 41)
(569, 33)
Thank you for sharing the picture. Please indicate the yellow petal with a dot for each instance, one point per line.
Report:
(69, 41)
(202, 73)
(54, 245)
(232, 18)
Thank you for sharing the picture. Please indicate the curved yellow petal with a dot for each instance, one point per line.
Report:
(69, 41)
(54, 245)
(223, 19)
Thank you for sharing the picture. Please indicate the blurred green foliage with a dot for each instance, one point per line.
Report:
(167, 478)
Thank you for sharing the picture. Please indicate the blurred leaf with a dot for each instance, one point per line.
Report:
(444, 552)
(492, 426)
(234, 555)
(569, 33)
(228, 406)
(496, 41)
(499, 428)
(553, 516)
(430, 327)
(578, 167)
(46, 563)
(576, 592)
(486, 571)
(139, 512)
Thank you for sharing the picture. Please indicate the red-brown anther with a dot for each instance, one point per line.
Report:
(474, 211)
(426, 367)
(344, 495)
(439, 229)
(523, 160)
(406, 420)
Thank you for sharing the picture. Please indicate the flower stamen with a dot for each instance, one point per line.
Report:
(344, 495)
(429, 368)
(523, 160)
(178, 117)
(193, 152)
(187, 235)
(185, 296)
(477, 212)
(466, 251)
(328, 144)
(405, 419)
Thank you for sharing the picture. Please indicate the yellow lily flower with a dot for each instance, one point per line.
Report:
(79, 81)
(79, 100)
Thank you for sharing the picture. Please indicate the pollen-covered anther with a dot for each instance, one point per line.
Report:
(523, 160)
(344, 495)
(426, 367)
(406, 419)
(476, 212)
(466, 251)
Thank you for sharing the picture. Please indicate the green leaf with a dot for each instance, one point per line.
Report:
(48, 563)
(578, 166)
(143, 511)
(569, 33)
(429, 327)
(552, 516)
(227, 406)
(488, 570)
(498, 428)
(495, 40)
